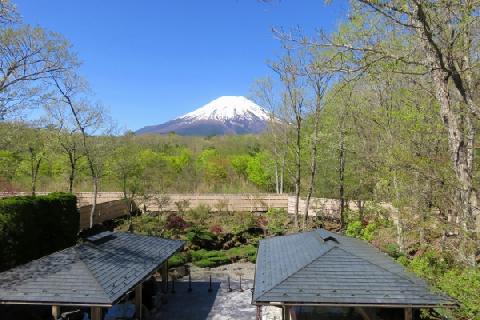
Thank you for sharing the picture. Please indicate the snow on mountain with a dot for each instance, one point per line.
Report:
(224, 115)
(228, 108)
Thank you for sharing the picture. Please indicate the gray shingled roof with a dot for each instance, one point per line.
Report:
(321, 267)
(93, 273)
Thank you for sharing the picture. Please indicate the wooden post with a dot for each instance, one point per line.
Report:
(164, 273)
(408, 314)
(259, 313)
(55, 312)
(96, 313)
(285, 313)
(138, 300)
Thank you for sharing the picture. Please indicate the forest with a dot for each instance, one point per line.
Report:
(383, 110)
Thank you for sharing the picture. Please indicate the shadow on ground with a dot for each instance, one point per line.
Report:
(200, 304)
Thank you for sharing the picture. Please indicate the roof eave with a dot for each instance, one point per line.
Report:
(57, 303)
(376, 305)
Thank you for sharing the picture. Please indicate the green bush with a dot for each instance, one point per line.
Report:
(247, 252)
(211, 262)
(356, 229)
(147, 224)
(277, 221)
(200, 237)
(393, 250)
(204, 258)
(31, 227)
(199, 214)
(368, 232)
(213, 258)
(176, 260)
(242, 221)
(463, 285)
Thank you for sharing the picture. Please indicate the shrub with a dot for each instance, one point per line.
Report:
(176, 260)
(368, 232)
(242, 221)
(175, 222)
(277, 220)
(393, 250)
(463, 285)
(211, 262)
(248, 252)
(354, 229)
(198, 236)
(147, 225)
(203, 258)
(31, 227)
(216, 229)
(199, 214)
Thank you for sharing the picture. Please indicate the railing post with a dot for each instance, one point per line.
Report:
(55, 312)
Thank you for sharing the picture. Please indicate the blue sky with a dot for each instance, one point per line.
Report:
(151, 61)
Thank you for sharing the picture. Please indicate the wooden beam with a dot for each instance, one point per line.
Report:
(55, 312)
(96, 313)
(408, 314)
(138, 300)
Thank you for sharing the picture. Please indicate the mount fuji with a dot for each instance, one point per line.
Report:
(222, 116)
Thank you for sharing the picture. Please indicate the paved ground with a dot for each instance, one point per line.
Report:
(200, 304)
(219, 304)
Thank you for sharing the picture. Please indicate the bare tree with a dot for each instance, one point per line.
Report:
(89, 119)
(66, 136)
(318, 79)
(28, 58)
(8, 13)
(288, 70)
(277, 129)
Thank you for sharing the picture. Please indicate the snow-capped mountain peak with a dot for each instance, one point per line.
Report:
(224, 115)
(228, 108)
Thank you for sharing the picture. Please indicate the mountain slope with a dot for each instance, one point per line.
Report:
(224, 115)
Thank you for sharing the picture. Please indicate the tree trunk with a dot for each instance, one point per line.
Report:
(341, 178)
(283, 165)
(277, 181)
(284, 159)
(313, 164)
(94, 200)
(35, 167)
(397, 217)
(360, 206)
(461, 132)
(71, 177)
(124, 180)
(298, 166)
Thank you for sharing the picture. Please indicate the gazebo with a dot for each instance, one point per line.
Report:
(324, 275)
(97, 274)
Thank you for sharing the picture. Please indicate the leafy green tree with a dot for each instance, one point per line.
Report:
(259, 170)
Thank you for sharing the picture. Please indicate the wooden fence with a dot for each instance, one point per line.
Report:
(215, 202)
(111, 205)
(103, 212)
